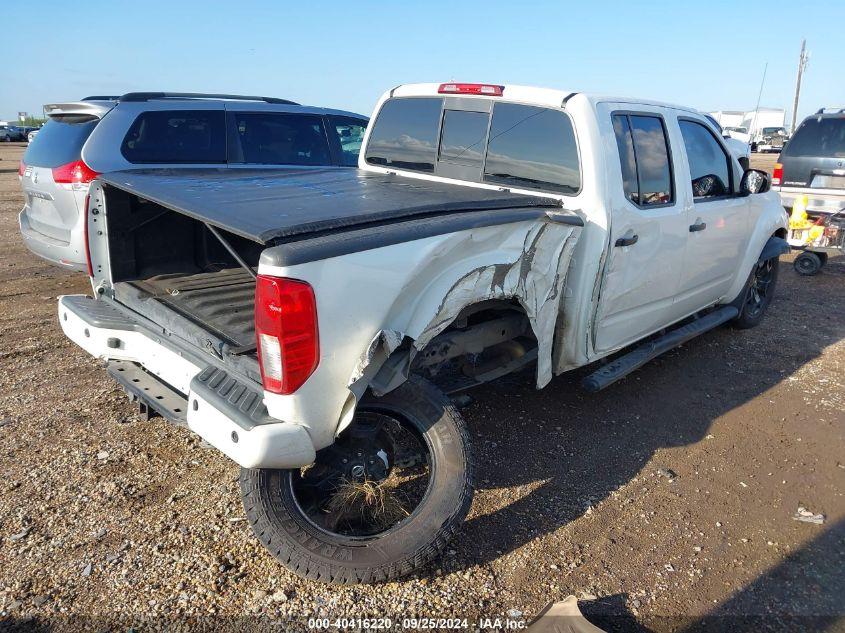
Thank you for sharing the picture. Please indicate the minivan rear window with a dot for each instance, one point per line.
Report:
(818, 137)
(273, 138)
(176, 136)
(60, 141)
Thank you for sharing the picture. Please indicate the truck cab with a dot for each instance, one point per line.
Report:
(658, 189)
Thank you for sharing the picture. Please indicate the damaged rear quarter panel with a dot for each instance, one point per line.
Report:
(369, 302)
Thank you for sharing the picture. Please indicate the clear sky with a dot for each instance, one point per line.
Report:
(709, 55)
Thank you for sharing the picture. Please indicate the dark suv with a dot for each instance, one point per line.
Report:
(813, 163)
(174, 130)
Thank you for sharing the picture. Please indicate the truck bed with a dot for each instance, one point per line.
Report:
(220, 301)
(266, 206)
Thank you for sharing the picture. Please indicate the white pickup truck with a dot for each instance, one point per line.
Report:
(311, 322)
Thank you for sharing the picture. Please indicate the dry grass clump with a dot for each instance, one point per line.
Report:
(376, 503)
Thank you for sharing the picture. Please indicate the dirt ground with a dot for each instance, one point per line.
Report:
(665, 502)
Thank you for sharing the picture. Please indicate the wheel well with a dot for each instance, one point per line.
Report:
(485, 341)
(781, 233)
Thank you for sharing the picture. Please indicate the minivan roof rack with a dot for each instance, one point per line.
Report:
(101, 98)
(835, 110)
(148, 96)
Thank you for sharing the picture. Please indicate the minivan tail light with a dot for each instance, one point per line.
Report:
(21, 169)
(75, 173)
(286, 332)
(777, 174)
(489, 90)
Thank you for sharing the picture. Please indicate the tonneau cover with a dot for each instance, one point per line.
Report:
(265, 205)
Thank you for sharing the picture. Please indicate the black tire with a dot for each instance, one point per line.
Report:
(317, 554)
(756, 296)
(808, 264)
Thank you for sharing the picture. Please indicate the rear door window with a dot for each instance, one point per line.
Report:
(644, 159)
(176, 136)
(60, 141)
(818, 137)
(532, 147)
(404, 134)
(280, 138)
(709, 163)
(348, 133)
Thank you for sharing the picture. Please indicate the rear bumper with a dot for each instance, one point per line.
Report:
(816, 202)
(225, 410)
(70, 255)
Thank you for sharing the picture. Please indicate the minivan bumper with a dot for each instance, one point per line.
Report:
(69, 255)
(825, 201)
(219, 407)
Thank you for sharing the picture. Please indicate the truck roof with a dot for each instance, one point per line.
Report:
(546, 97)
(266, 205)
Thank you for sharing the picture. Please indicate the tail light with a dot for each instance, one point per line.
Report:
(21, 169)
(777, 174)
(472, 89)
(75, 173)
(286, 332)
(87, 243)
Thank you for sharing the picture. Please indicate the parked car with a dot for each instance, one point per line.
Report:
(769, 139)
(739, 133)
(9, 133)
(310, 323)
(813, 163)
(103, 134)
(739, 148)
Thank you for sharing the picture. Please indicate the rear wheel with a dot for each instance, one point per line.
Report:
(383, 500)
(808, 263)
(758, 293)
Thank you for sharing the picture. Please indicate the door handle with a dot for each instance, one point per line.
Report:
(627, 241)
(698, 226)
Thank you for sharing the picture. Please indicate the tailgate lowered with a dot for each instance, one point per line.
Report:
(225, 410)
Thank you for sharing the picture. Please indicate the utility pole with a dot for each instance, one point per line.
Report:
(802, 63)
(753, 128)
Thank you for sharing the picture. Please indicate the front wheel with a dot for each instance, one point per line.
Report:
(758, 293)
(383, 500)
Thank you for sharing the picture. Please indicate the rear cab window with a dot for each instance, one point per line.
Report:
(176, 136)
(60, 140)
(404, 135)
(507, 144)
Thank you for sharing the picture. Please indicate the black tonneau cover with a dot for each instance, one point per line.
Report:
(265, 205)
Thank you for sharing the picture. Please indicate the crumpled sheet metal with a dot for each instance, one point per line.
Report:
(378, 351)
(536, 279)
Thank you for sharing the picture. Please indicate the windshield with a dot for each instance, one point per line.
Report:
(60, 141)
(819, 137)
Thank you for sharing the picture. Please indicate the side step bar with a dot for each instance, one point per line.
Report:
(638, 357)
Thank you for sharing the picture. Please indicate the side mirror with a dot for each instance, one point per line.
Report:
(754, 181)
